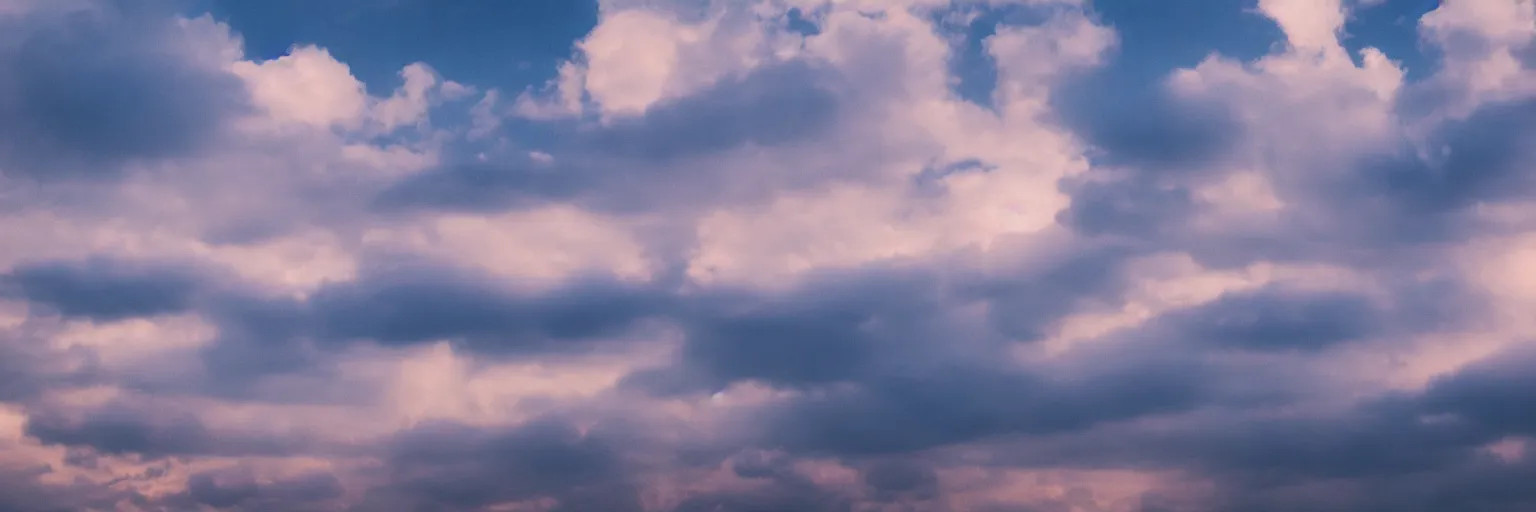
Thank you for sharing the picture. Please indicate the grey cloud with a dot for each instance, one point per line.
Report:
(84, 92)
(122, 428)
(647, 161)
(389, 303)
(455, 467)
(1146, 128)
(1527, 56)
(1168, 366)
(1479, 158)
(1379, 439)
(1082, 277)
(1136, 206)
(1498, 394)
(760, 464)
(22, 374)
(105, 288)
(1424, 194)
(773, 106)
(423, 304)
(848, 326)
(234, 489)
(1382, 209)
(777, 486)
(1273, 319)
(901, 480)
(905, 413)
(1393, 451)
(829, 330)
(23, 489)
(258, 337)
(846, 323)
(781, 496)
(883, 369)
(30, 367)
(1378, 465)
(483, 187)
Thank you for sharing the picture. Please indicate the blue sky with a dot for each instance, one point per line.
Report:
(768, 255)
(509, 44)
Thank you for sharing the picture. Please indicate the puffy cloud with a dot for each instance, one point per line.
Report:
(771, 255)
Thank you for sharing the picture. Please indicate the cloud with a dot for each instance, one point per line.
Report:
(1487, 393)
(776, 255)
(464, 467)
(642, 162)
(88, 91)
(418, 305)
(132, 428)
(1273, 320)
(239, 491)
(105, 289)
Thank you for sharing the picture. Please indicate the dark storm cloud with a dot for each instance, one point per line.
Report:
(84, 92)
(644, 161)
(104, 288)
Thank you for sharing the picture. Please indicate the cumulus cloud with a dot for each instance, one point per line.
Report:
(774, 255)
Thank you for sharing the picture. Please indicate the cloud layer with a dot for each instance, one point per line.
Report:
(780, 255)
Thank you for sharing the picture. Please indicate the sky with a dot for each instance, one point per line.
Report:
(768, 255)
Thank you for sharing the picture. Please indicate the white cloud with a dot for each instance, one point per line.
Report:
(306, 86)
